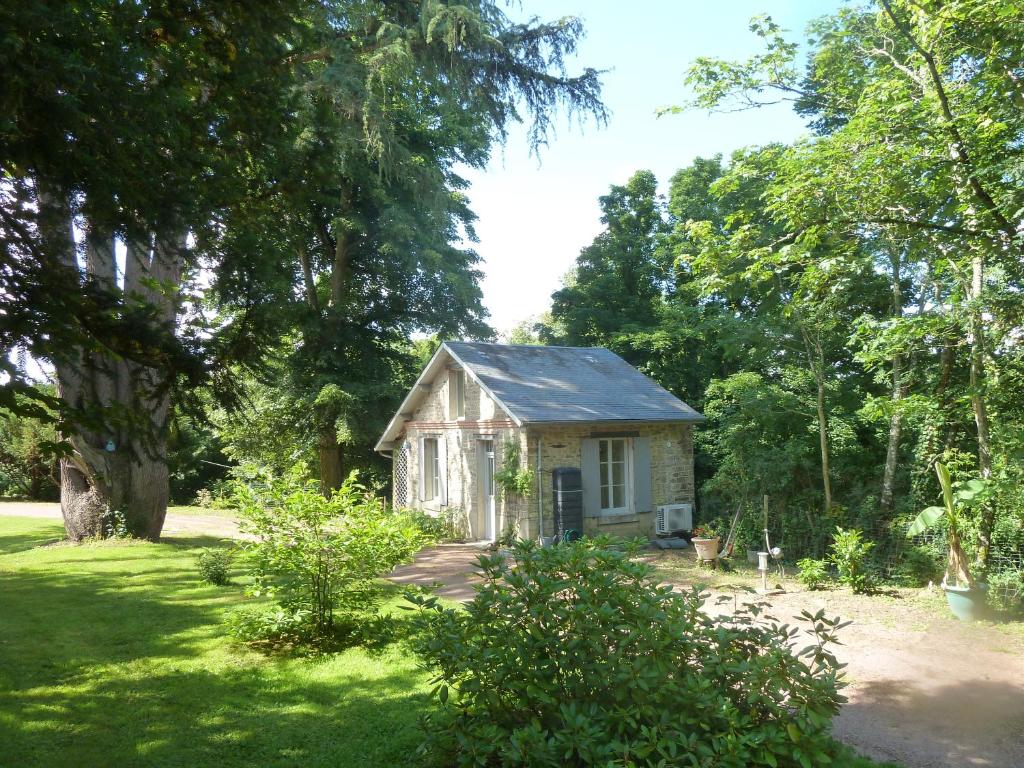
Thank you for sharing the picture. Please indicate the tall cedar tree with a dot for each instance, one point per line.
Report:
(157, 126)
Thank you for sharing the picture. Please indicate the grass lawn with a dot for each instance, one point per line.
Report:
(112, 654)
(194, 511)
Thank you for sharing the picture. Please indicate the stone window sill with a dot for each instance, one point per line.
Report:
(617, 519)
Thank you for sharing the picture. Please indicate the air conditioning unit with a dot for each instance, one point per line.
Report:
(674, 517)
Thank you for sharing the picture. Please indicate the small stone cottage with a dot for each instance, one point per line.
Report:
(480, 408)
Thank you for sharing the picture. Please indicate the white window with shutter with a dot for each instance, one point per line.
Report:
(615, 470)
(456, 394)
(432, 470)
(616, 473)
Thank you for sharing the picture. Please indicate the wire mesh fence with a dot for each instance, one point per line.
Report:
(895, 558)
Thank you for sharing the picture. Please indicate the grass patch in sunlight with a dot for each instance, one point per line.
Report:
(114, 654)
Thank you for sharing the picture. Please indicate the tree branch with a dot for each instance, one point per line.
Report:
(959, 146)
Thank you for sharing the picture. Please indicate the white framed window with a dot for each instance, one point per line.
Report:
(615, 467)
(431, 469)
(456, 394)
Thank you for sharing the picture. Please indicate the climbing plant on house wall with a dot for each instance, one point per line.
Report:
(513, 480)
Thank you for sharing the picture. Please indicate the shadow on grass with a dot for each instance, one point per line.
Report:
(225, 718)
(20, 542)
(117, 656)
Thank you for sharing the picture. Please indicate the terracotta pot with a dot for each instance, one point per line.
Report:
(707, 549)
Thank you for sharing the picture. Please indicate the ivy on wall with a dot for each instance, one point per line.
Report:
(512, 479)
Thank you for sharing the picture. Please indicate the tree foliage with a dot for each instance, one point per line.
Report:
(297, 160)
(915, 107)
(845, 309)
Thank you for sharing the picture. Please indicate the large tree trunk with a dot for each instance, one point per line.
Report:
(115, 494)
(978, 405)
(896, 419)
(332, 466)
(332, 454)
(115, 479)
(891, 456)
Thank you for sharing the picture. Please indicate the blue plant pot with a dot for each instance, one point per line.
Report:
(966, 603)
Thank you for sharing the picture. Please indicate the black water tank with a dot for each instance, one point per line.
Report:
(567, 485)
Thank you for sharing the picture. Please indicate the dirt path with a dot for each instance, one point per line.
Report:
(175, 524)
(925, 691)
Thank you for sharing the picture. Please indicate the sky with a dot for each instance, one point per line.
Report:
(535, 216)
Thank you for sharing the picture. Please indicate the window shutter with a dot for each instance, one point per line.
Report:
(642, 474)
(421, 463)
(591, 475)
(442, 461)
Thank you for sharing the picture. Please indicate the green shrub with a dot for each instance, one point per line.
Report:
(273, 628)
(574, 655)
(509, 535)
(433, 527)
(204, 498)
(217, 496)
(449, 525)
(813, 573)
(918, 565)
(214, 565)
(1006, 591)
(849, 553)
(319, 557)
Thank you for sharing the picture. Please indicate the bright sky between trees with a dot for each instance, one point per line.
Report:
(535, 216)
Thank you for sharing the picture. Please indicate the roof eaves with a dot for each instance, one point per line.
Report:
(416, 389)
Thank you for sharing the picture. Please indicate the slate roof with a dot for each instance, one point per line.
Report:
(538, 384)
(549, 385)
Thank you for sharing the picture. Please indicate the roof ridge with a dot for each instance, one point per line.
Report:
(527, 346)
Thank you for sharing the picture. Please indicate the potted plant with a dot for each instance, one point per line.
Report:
(705, 541)
(965, 596)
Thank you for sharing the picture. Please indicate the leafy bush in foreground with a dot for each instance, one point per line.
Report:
(574, 655)
(318, 557)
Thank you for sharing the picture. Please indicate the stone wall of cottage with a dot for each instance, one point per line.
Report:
(484, 420)
(671, 463)
(671, 474)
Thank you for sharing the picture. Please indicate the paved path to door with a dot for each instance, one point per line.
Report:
(925, 691)
(450, 566)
